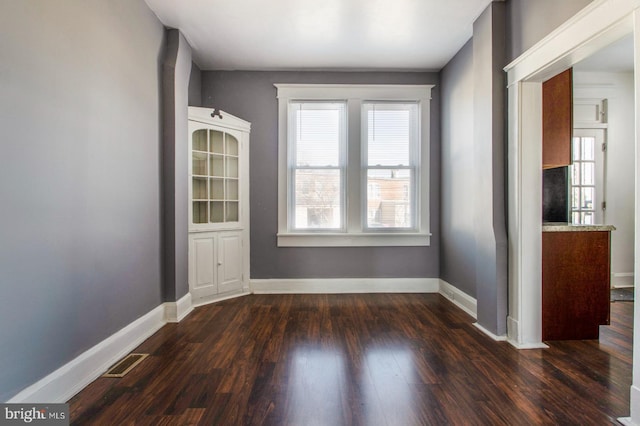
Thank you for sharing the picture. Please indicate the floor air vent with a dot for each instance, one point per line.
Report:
(125, 365)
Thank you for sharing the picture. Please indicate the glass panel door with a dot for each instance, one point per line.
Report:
(215, 177)
(587, 176)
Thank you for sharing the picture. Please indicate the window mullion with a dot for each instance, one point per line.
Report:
(355, 180)
(416, 167)
(291, 165)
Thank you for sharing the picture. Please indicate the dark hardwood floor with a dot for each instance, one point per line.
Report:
(356, 359)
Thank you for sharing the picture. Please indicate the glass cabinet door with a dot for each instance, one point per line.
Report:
(214, 177)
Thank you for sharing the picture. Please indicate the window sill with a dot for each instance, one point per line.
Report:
(353, 240)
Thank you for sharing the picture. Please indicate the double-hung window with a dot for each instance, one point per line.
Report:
(317, 168)
(353, 165)
(391, 163)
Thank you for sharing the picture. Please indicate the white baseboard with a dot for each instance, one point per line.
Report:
(468, 304)
(71, 378)
(622, 279)
(62, 384)
(459, 298)
(176, 311)
(634, 418)
(218, 298)
(527, 345)
(513, 330)
(345, 285)
(513, 336)
(490, 334)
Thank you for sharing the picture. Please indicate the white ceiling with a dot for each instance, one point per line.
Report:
(617, 57)
(321, 34)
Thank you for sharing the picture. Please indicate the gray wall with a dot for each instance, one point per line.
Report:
(489, 157)
(457, 224)
(473, 240)
(195, 86)
(474, 245)
(252, 96)
(529, 21)
(176, 71)
(79, 178)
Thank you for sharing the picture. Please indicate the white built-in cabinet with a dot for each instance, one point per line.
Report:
(218, 205)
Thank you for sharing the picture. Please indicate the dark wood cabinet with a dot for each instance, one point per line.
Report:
(557, 120)
(575, 284)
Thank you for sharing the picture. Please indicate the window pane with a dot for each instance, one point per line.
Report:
(199, 188)
(232, 190)
(317, 200)
(576, 149)
(575, 174)
(373, 191)
(199, 139)
(216, 165)
(389, 133)
(389, 199)
(232, 211)
(199, 212)
(588, 148)
(317, 128)
(216, 212)
(575, 198)
(217, 139)
(217, 189)
(588, 174)
(199, 164)
(232, 145)
(587, 198)
(232, 167)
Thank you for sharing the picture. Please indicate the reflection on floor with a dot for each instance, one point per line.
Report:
(360, 359)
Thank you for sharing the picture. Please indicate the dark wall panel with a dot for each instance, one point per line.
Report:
(555, 195)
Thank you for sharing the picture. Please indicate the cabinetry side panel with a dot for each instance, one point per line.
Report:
(557, 120)
(230, 262)
(204, 279)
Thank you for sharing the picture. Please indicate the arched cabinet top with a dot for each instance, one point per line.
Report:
(221, 118)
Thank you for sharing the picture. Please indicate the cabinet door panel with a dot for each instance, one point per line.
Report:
(229, 261)
(202, 280)
(216, 173)
(575, 284)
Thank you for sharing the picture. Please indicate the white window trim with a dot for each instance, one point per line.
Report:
(341, 167)
(355, 235)
(415, 160)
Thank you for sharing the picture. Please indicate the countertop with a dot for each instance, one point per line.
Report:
(570, 227)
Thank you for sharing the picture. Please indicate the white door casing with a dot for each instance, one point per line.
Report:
(599, 24)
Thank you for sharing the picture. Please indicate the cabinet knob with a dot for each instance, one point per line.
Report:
(219, 263)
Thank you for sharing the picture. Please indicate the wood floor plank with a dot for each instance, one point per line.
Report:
(360, 359)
